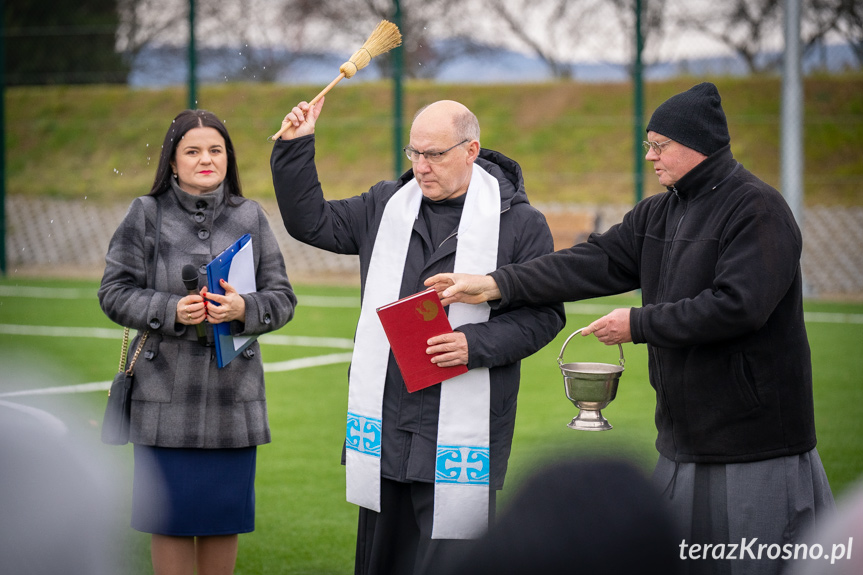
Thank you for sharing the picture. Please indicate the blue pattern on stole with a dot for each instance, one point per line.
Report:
(461, 464)
(363, 434)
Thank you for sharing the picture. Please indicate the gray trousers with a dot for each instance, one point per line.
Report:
(732, 516)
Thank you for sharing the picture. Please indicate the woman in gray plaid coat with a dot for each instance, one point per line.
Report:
(195, 426)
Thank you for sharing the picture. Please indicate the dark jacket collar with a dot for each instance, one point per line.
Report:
(708, 175)
(195, 203)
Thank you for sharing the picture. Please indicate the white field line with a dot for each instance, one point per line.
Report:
(111, 333)
(38, 292)
(270, 339)
(351, 302)
(115, 333)
(276, 366)
(303, 362)
(46, 292)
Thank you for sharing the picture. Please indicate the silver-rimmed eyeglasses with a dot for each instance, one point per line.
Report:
(655, 146)
(430, 156)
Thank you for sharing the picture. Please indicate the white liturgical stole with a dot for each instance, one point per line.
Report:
(462, 467)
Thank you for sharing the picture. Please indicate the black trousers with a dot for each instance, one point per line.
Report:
(398, 541)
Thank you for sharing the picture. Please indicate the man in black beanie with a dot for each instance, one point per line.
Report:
(717, 259)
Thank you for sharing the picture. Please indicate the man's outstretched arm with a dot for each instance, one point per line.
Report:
(464, 288)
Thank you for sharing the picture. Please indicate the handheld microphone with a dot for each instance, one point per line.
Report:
(190, 280)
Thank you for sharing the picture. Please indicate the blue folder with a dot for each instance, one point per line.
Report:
(220, 269)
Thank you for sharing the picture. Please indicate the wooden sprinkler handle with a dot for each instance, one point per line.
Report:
(314, 101)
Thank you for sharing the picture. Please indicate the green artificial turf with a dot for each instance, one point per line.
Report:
(303, 523)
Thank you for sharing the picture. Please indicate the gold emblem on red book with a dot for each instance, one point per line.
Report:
(427, 310)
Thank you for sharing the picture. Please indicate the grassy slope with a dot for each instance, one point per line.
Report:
(573, 140)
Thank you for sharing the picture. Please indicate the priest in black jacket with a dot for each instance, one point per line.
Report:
(424, 466)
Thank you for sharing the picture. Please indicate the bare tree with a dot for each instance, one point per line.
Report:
(749, 27)
(254, 40)
(653, 28)
(268, 37)
(144, 23)
(817, 20)
(550, 29)
(744, 26)
(849, 26)
(345, 25)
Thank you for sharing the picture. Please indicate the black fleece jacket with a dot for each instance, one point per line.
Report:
(717, 258)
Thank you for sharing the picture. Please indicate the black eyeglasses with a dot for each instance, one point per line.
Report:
(655, 146)
(431, 157)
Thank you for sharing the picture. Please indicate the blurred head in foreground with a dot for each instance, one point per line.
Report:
(830, 540)
(585, 516)
(59, 510)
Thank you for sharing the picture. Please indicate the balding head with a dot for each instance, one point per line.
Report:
(452, 131)
(448, 115)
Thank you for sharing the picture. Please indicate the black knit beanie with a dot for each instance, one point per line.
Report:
(693, 118)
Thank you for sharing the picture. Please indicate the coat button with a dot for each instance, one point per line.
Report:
(203, 269)
(267, 319)
(200, 217)
(203, 234)
(155, 323)
(249, 353)
(201, 204)
(149, 354)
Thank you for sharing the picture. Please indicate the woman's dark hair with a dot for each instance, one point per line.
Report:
(185, 121)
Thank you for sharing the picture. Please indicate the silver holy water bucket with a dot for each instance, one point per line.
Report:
(590, 387)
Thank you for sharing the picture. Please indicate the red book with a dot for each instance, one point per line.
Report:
(409, 323)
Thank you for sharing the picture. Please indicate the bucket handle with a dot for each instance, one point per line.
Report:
(560, 357)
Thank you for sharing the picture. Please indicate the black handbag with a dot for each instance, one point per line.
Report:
(118, 411)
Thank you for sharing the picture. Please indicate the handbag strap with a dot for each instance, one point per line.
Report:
(123, 349)
(151, 282)
(131, 369)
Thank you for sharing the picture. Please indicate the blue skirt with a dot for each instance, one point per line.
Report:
(194, 492)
